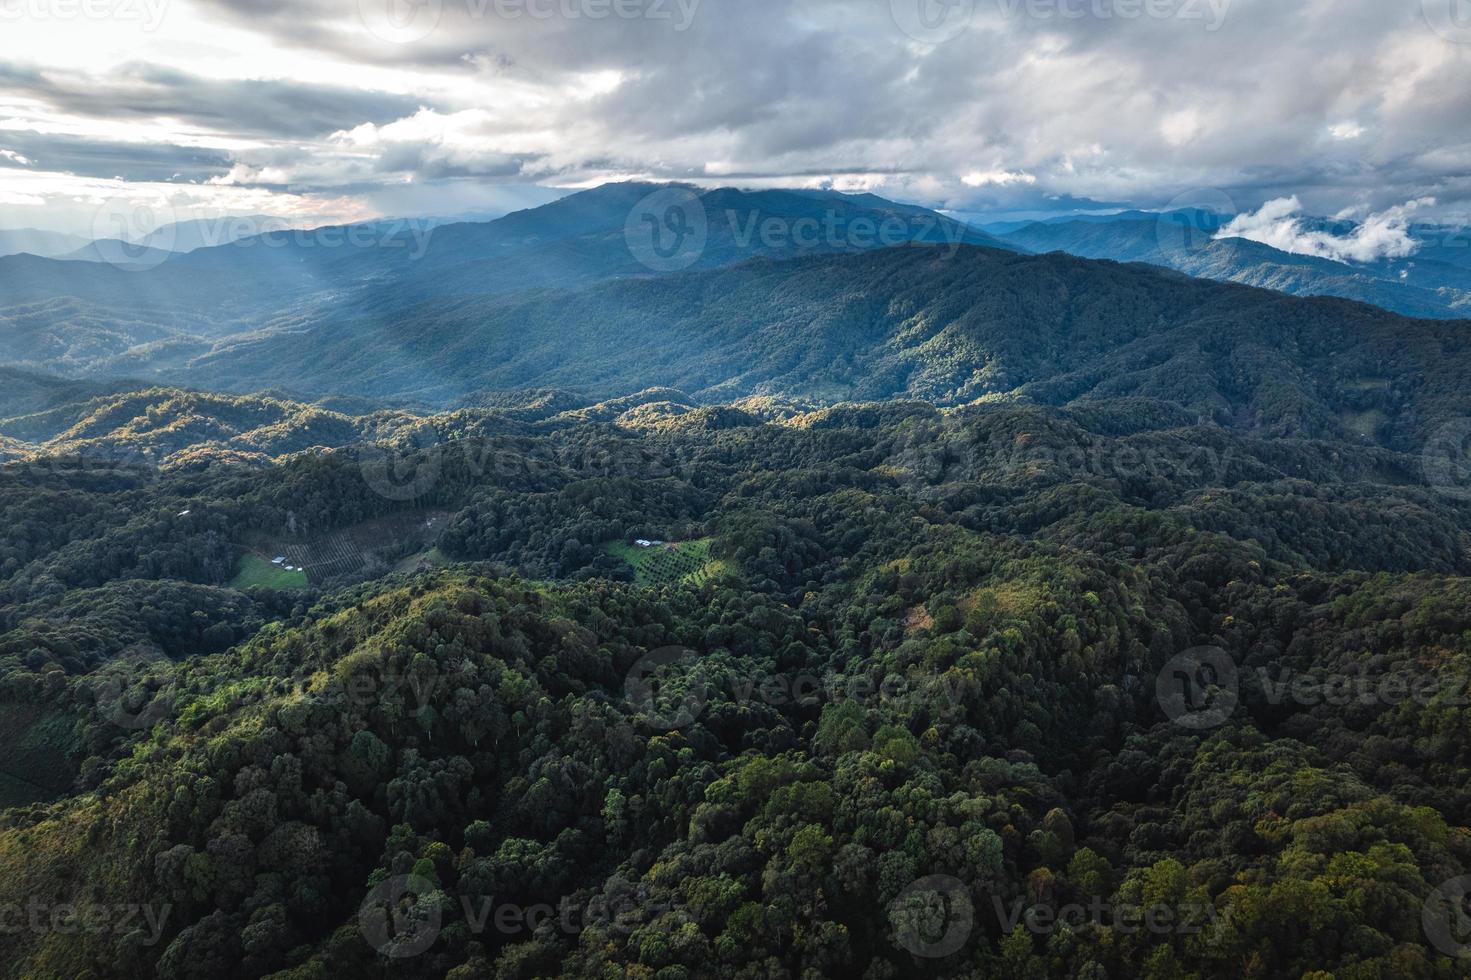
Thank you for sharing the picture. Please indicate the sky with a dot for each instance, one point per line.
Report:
(331, 110)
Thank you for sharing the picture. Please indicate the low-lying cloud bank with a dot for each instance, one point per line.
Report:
(1283, 225)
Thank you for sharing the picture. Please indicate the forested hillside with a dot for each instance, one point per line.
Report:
(913, 708)
(146, 314)
(529, 609)
(735, 490)
(931, 323)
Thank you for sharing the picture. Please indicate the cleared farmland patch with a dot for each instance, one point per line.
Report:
(257, 571)
(678, 563)
(362, 550)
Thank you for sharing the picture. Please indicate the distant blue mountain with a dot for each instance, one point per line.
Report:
(135, 311)
(1434, 282)
(33, 241)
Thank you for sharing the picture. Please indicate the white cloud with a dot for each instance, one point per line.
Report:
(1349, 130)
(77, 204)
(1181, 128)
(1282, 225)
(996, 178)
(15, 157)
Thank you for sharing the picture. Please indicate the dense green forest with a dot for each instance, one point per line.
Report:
(1094, 687)
(928, 611)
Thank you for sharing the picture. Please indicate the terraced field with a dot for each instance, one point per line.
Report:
(680, 563)
(350, 553)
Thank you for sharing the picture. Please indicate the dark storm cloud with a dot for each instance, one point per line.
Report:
(249, 108)
(100, 158)
(423, 161)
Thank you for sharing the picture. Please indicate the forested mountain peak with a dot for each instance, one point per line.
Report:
(946, 325)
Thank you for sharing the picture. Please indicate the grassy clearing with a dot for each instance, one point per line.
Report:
(433, 558)
(255, 572)
(1367, 424)
(683, 563)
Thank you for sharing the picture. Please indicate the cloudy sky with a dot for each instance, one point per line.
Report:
(324, 110)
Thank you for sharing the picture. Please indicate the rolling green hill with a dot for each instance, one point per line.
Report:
(921, 323)
(932, 653)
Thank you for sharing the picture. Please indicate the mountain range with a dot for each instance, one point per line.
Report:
(759, 578)
(143, 317)
(1433, 282)
(50, 244)
(919, 322)
(781, 299)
